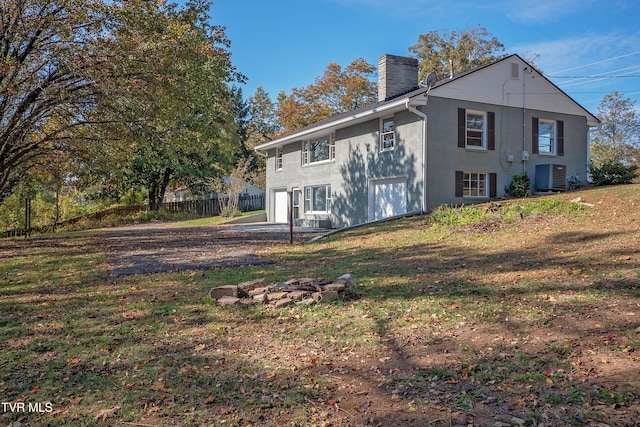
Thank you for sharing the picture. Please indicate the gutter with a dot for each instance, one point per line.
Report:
(410, 105)
(332, 124)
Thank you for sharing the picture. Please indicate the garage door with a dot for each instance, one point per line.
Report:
(281, 206)
(389, 197)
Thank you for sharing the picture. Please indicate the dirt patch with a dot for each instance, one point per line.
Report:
(160, 248)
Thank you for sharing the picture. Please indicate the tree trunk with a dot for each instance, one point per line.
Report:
(157, 188)
(56, 217)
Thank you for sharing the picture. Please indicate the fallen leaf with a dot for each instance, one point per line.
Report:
(103, 414)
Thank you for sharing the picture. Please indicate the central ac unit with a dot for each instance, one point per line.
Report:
(550, 177)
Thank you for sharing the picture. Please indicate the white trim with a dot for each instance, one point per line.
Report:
(486, 184)
(301, 134)
(553, 149)
(483, 144)
(382, 133)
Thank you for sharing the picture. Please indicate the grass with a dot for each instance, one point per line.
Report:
(525, 309)
(213, 220)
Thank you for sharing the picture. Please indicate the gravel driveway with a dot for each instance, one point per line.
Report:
(162, 247)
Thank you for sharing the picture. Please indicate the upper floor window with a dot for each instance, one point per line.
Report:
(387, 134)
(318, 150)
(476, 129)
(548, 136)
(278, 159)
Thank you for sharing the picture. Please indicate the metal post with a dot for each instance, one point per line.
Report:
(290, 216)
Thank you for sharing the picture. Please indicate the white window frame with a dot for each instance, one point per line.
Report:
(296, 202)
(387, 137)
(482, 130)
(547, 141)
(307, 150)
(468, 187)
(309, 206)
(279, 158)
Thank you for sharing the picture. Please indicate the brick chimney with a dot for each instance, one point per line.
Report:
(396, 75)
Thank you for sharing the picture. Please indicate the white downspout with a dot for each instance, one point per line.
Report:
(424, 150)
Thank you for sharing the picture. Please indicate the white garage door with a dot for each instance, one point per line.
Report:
(281, 207)
(389, 197)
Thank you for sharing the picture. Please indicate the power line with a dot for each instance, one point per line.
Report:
(595, 77)
(595, 63)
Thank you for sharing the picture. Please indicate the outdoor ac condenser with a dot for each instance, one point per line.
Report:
(550, 177)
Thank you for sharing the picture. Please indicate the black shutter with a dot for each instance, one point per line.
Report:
(491, 130)
(462, 127)
(459, 183)
(534, 135)
(493, 190)
(560, 150)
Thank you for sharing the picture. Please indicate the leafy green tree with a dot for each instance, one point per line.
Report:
(49, 67)
(171, 111)
(617, 139)
(468, 49)
(262, 126)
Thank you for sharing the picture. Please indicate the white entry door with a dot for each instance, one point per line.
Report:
(281, 206)
(388, 197)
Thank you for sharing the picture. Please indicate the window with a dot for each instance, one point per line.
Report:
(476, 184)
(476, 129)
(548, 137)
(296, 203)
(318, 150)
(387, 134)
(317, 199)
(278, 159)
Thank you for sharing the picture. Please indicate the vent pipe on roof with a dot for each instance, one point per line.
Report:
(451, 68)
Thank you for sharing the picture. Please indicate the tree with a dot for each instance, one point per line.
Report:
(337, 91)
(617, 139)
(466, 50)
(262, 126)
(171, 105)
(49, 66)
(230, 188)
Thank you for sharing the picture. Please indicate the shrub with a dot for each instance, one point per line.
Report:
(612, 173)
(519, 186)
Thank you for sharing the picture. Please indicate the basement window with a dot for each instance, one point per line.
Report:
(317, 199)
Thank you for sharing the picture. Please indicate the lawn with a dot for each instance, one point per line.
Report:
(523, 313)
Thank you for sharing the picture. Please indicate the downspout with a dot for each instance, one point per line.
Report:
(424, 151)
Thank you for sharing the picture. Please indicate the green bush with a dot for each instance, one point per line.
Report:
(519, 186)
(612, 173)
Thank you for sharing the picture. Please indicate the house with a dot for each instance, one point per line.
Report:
(184, 193)
(455, 141)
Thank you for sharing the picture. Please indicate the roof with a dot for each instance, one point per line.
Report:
(415, 97)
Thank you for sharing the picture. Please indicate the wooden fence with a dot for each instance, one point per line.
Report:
(209, 207)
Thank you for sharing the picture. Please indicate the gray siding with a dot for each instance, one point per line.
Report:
(358, 160)
(444, 156)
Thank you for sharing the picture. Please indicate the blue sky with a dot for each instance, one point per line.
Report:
(588, 48)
